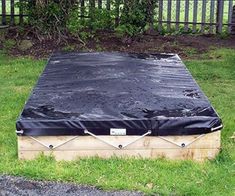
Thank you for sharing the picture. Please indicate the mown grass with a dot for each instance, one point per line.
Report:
(216, 77)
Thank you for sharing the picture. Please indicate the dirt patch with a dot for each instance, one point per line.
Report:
(187, 46)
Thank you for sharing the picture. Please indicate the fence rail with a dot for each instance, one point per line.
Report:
(197, 16)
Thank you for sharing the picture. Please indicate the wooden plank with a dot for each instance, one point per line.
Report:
(108, 5)
(186, 15)
(21, 12)
(230, 12)
(212, 16)
(220, 10)
(173, 154)
(117, 10)
(147, 147)
(150, 6)
(91, 7)
(199, 23)
(160, 11)
(203, 15)
(233, 21)
(169, 5)
(82, 8)
(211, 140)
(12, 12)
(92, 3)
(100, 4)
(9, 15)
(177, 18)
(4, 12)
(195, 9)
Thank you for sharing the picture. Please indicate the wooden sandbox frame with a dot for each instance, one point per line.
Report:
(193, 147)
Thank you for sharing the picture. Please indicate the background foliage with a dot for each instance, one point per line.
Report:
(56, 18)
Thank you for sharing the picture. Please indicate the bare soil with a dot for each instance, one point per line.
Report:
(187, 46)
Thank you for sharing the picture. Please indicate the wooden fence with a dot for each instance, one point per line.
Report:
(197, 16)
(10, 13)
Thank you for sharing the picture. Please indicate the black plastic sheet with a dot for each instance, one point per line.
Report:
(100, 91)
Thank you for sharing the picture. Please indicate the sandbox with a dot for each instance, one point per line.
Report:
(118, 104)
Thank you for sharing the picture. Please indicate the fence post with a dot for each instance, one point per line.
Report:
(169, 4)
(186, 15)
(150, 15)
(82, 9)
(160, 11)
(212, 16)
(203, 16)
(91, 8)
(100, 4)
(177, 17)
(12, 12)
(117, 4)
(233, 21)
(195, 8)
(4, 12)
(230, 13)
(21, 11)
(108, 4)
(219, 16)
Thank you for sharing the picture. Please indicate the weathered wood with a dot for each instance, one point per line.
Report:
(220, 11)
(177, 17)
(233, 21)
(4, 12)
(195, 9)
(230, 12)
(12, 12)
(160, 11)
(198, 23)
(117, 10)
(92, 3)
(82, 8)
(203, 16)
(206, 146)
(169, 5)
(212, 16)
(186, 15)
(21, 12)
(91, 9)
(108, 5)
(100, 4)
(150, 14)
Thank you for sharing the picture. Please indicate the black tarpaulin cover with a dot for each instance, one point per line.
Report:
(100, 91)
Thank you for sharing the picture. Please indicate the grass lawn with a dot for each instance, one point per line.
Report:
(216, 76)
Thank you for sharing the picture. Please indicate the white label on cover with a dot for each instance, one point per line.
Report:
(117, 131)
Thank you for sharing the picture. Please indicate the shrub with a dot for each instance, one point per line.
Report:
(48, 16)
(136, 16)
(99, 19)
(56, 18)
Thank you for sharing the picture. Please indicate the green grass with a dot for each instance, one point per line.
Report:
(217, 79)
